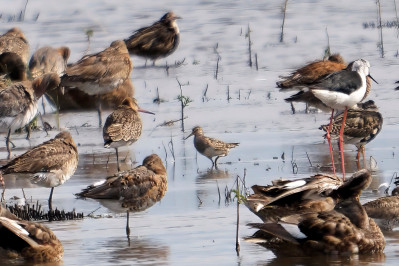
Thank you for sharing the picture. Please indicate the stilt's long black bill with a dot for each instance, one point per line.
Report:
(372, 79)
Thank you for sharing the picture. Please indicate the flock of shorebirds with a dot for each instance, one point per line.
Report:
(322, 214)
(317, 214)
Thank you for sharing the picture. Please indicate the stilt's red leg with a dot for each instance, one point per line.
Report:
(358, 159)
(329, 140)
(341, 143)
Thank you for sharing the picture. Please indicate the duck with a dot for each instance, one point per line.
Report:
(344, 230)
(385, 210)
(33, 241)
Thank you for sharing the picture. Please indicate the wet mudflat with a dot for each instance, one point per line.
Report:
(190, 225)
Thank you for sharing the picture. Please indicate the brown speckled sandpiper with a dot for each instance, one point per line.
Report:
(48, 59)
(123, 126)
(210, 147)
(18, 102)
(49, 164)
(33, 241)
(100, 73)
(158, 40)
(133, 190)
(362, 125)
(15, 41)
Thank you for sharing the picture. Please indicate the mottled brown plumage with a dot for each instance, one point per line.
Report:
(15, 41)
(12, 66)
(316, 193)
(75, 99)
(100, 73)
(158, 40)
(123, 126)
(362, 125)
(385, 210)
(33, 241)
(286, 197)
(48, 59)
(308, 75)
(311, 72)
(346, 229)
(18, 102)
(49, 164)
(135, 190)
(210, 147)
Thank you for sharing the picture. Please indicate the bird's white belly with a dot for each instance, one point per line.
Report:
(340, 101)
(24, 118)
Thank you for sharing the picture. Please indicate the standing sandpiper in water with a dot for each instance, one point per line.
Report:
(158, 40)
(362, 125)
(134, 190)
(123, 126)
(210, 147)
(18, 103)
(49, 164)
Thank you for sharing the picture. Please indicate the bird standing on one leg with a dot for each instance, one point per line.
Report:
(49, 164)
(135, 190)
(123, 126)
(210, 147)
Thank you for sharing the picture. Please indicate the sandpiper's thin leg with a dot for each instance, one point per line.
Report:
(328, 136)
(27, 127)
(100, 120)
(117, 159)
(127, 226)
(341, 143)
(8, 143)
(216, 161)
(50, 199)
(23, 193)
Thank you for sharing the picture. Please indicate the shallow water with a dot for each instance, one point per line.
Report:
(190, 225)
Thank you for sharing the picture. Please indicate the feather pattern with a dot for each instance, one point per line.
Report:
(158, 40)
